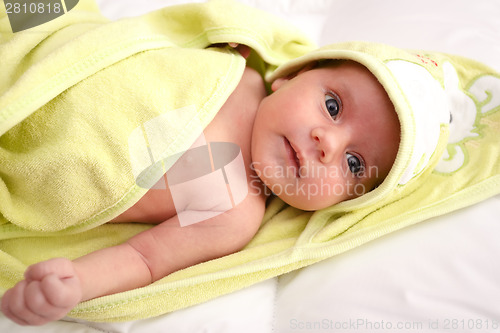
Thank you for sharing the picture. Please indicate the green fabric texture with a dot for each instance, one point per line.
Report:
(73, 90)
(73, 93)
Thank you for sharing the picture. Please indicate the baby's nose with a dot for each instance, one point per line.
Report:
(326, 145)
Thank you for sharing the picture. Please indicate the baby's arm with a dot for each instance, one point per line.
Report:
(52, 288)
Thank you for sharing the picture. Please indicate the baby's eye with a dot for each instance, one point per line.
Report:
(333, 105)
(356, 165)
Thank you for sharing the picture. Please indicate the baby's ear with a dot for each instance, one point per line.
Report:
(280, 81)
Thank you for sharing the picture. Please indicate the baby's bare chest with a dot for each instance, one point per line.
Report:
(215, 174)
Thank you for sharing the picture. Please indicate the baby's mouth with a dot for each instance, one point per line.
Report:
(292, 157)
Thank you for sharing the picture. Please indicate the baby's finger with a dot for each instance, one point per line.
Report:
(37, 303)
(243, 50)
(5, 306)
(14, 307)
(62, 293)
(62, 267)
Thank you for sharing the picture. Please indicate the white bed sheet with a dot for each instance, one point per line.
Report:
(440, 275)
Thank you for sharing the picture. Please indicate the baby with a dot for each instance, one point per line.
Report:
(328, 126)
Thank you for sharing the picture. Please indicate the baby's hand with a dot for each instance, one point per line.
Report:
(50, 290)
(242, 49)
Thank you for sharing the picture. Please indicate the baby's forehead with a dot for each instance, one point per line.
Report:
(343, 66)
(357, 71)
(350, 66)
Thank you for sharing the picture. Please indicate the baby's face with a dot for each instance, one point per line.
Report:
(324, 136)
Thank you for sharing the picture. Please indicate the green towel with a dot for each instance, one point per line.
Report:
(73, 92)
(96, 82)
